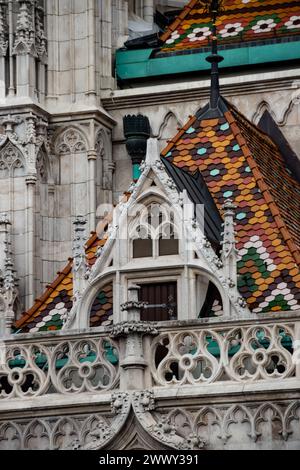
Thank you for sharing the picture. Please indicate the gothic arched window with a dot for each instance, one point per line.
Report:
(154, 232)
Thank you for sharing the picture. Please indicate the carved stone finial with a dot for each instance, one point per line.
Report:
(80, 265)
(25, 31)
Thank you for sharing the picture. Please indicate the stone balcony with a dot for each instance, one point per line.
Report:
(186, 385)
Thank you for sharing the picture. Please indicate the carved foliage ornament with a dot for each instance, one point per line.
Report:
(42, 166)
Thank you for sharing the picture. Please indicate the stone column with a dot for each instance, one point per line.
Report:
(30, 231)
(148, 11)
(92, 158)
(131, 334)
(4, 224)
(3, 49)
(91, 22)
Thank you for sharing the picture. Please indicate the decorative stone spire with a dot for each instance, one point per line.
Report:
(8, 280)
(229, 251)
(3, 30)
(25, 33)
(80, 266)
(214, 7)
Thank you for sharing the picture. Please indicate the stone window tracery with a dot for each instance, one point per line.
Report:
(11, 161)
(154, 232)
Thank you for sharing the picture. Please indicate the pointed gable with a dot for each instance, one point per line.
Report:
(238, 161)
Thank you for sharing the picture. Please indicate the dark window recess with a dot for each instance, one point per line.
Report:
(212, 296)
(168, 247)
(142, 247)
(162, 301)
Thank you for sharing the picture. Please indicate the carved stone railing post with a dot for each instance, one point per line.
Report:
(131, 333)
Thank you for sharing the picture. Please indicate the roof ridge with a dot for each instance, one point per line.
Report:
(264, 188)
(181, 131)
(178, 19)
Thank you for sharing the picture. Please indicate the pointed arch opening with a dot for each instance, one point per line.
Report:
(101, 313)
(209, 301)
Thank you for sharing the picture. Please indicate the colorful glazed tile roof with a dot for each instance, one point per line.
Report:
(102, 308)
(240, 162)
(49, 310)
(241, 21)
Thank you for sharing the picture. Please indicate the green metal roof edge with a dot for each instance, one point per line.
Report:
(136, 64)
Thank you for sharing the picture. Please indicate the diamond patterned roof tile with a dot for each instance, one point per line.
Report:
(249, 169)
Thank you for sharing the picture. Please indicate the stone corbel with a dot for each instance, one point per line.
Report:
(160, 427)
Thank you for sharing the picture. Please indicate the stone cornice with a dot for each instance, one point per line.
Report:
(199, 90)
(80, 113)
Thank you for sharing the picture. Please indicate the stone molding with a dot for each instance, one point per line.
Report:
(258, 424)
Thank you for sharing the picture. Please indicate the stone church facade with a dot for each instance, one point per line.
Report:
(140, 342)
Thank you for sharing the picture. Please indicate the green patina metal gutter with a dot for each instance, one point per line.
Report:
(137, 64)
